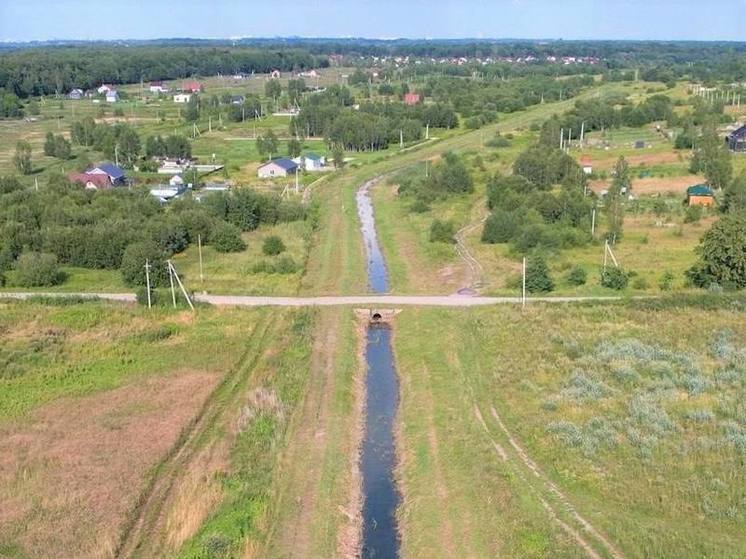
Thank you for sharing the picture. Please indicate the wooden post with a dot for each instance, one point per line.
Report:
(199, 249)
(147, 281)
(171, 280)
(523, 296)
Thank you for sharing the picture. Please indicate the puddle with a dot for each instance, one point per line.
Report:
(381, 497)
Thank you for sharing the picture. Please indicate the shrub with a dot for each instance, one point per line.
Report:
(577, 276)
(285, 265)
(693, 214)
(442, 232)
(538, 279)
(722, 253)
(419, 207)
(142, 296)
(614, 278)
(666, 281)
(226, 237)
(133, 264)
(273, 246)
(500, 227)
(34, 269)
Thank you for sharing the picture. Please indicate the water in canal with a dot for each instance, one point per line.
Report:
(378, 460)
(378, 276)
(380, 536)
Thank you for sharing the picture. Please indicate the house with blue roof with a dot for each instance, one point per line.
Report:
(116, 174)
(313, 162)
(280, 167)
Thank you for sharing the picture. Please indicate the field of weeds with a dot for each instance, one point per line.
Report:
(625, 423)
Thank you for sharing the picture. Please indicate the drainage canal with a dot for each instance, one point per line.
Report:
(378, 276)
(378, 460)
(381, 498)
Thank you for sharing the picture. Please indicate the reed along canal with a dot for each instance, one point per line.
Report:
(378, 461)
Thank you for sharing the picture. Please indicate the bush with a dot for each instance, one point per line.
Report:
(419, 207)
(133, 264)
(273, 246)
(285, 265)
(538, 279)
(500, 227)
(442, 232)
(722, 253)
(226, 238)
(666, 281)
(577, 276)
(614, 278)
(35, 269)
(693, 214)
(142, 296)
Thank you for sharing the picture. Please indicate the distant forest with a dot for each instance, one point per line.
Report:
(46, 68)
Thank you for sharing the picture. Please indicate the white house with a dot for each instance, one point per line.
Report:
(112, 96)
(158, 87)
(182, 97)
(313, 162)
(104, 88)
(76, 94)
(176, 181)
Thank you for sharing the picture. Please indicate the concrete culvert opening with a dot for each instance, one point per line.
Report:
(376, 317)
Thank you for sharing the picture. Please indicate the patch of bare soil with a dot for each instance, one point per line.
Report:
(654, 185)
(70, 473)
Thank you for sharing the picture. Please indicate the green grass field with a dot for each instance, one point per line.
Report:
(633, 411)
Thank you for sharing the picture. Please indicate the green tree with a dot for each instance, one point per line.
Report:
(712, 158)
(267, 144)
(132, 267)
(22, 158)
(538, 279)
(722, 253)
(127, 145)
(734, 198)
(226, 238)
(614, 203)
(614, 278)
(35, 269)
(338, 156)
(294, 147)
(192, 109)
(33, 107)
(296, 89)
(273, 89)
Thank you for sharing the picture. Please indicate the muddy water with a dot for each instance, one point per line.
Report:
(378, 276)
(381, 498)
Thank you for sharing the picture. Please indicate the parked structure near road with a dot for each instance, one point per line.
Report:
(700, 195)
(281, 167)
(736, 140)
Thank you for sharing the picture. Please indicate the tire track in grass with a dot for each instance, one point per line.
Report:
(140, 536)
(609, 548)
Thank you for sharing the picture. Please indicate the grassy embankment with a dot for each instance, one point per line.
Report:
(634, 412)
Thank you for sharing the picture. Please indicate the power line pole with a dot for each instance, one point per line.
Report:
(199, 248)
(181, 285)
(171, 280)
(147, 282)
(523, 295)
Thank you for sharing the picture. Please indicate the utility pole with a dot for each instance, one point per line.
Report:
(171, 281)
(593, 223)
(562, 138)
(427, 131)
(199, 249)
(523, 294)
(36, 184)
(296, 180)
(147, 282)
(181, 285)
(401, 138)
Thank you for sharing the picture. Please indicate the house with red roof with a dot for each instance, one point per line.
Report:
(91, 181)
(192, 87)
(411, 98)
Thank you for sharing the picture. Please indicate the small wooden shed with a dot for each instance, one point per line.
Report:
(700, 195)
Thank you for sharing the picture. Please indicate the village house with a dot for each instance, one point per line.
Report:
(700, 195)
(281, 167)
(104, 88)
(182, 97)
(313, 162)
(114, 173)
(112, 96)
(275, 74)
(586, 164)
(90, 181)
(76, 94)
(411, 98)
(736, 140)
(158, 87)
(191, 87)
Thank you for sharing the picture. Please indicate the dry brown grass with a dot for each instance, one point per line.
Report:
(654, 185)
(71, 472)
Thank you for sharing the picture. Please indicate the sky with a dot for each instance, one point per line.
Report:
(28, 20)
